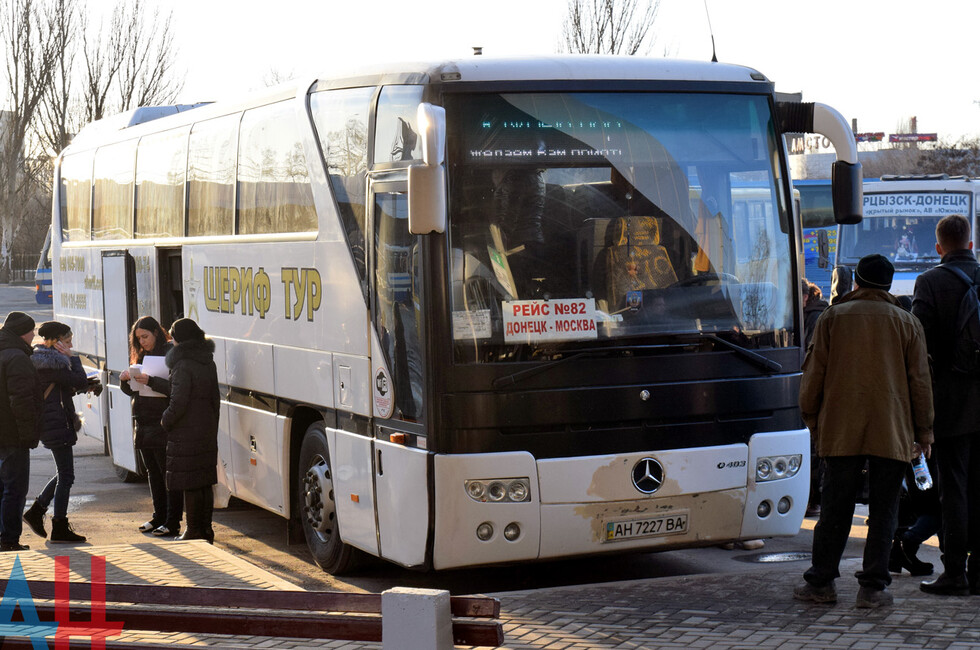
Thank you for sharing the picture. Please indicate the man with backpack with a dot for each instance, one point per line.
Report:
(945, 300)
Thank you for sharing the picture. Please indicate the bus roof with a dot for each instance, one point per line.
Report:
(564, 67)
(472, 69)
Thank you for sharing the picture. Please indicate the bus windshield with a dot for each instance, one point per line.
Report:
(580, 219)
(901, 226)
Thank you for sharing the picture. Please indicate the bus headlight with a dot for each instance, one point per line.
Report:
(499, 490)
(773, 468)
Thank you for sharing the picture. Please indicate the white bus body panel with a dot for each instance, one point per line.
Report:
(304, 375)
(403, 502)
(457, 515)
(256, 457)
(353, 470)
(116, 316)
(249, 365)
(572, 500)
(301, 294)
(121, 428)
(225, 475)
(703, 469)
(796, 489)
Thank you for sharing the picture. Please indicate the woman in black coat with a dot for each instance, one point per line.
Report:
(60, 376)
(147, 338)
(191, 422)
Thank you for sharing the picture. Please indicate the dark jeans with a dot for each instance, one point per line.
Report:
(168, 505)
(15, 477)
(60, 484)
(842, 478)
(958, 461)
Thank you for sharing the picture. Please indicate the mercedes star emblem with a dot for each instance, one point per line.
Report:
(648, 475)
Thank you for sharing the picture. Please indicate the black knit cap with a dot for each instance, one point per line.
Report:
(874, 272)
(18, 323)
(186, 329)
(52, 329)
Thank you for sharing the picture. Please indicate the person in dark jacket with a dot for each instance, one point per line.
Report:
(147, 337)
(936, 301)
(813, 306)
(191, 422)
(20, 409)
(60, 376)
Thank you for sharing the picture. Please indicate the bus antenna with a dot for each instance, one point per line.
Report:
(714, 57)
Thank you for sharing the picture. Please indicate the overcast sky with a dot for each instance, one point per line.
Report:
(880, 61)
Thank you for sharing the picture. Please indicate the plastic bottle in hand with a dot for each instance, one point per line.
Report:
(923, 479)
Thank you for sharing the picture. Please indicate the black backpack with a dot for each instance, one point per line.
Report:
(966, 348)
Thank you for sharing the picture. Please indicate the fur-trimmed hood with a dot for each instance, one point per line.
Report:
(46, 358)
(198, 351)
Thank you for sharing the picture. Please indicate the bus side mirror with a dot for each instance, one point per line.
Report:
(848, 191)
(427, 182)
(823, 249)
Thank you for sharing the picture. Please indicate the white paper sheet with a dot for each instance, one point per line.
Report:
(155, 367)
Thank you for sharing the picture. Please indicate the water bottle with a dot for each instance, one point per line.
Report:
(923, 479)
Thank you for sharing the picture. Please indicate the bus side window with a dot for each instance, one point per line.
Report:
(398, 302)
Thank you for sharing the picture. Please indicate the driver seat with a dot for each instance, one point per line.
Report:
(634, 259)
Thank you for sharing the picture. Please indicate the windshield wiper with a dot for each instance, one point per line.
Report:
(513, 378)
(763, 362)
(754, 357)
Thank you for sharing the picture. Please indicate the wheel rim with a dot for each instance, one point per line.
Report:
(319, 509)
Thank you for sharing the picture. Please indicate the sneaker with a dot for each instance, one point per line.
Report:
(12, 546)
(869, 598)
(825, 594)
(164, 531)
(148, 527)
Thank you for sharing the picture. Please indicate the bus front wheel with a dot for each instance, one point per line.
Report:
(317, 507)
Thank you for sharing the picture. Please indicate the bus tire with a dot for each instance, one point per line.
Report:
(316, 504)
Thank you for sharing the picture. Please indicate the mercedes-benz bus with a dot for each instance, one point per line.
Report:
(473, 311)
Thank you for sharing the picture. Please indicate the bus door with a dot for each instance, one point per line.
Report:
(400, 472)
(119, 298)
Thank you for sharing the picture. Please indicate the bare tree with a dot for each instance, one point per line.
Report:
(146, 77)
(58, 118)
(609, 26)
(103, 52)
(27, 28)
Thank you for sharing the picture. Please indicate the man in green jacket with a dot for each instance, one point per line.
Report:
(866, 396)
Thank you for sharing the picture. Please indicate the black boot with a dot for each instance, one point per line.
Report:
(35, 519)
(915, 566)
(61, 531)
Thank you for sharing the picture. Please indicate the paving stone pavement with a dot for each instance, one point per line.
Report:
(735, 611)
(726, 611)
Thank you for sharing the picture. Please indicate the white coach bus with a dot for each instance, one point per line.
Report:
(901, 217)
(469, 312)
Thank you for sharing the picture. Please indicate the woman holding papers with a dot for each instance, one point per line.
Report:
(61, 376)
(191, 422)
(148, 346)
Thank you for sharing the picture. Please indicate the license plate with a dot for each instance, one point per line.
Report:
(672, 524)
